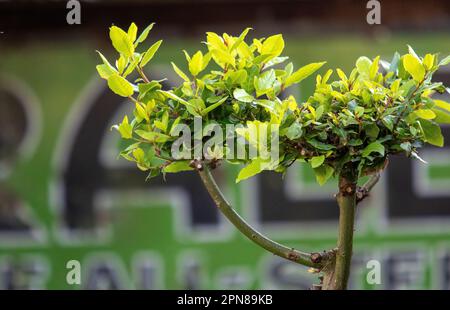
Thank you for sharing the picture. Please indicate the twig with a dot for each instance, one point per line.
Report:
(363, 191)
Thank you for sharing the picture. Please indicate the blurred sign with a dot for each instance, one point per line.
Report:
(70, 199)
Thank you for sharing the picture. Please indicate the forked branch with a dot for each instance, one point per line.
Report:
(314, 260)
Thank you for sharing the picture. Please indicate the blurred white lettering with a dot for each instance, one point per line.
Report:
(374, 275)
(374, 15)
(74, 274)
(74, 15)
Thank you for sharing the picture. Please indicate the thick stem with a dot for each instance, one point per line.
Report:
(314, 260)
(346, 199)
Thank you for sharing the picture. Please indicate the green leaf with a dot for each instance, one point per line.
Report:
(374, 147)
(120, 85)
(320, 145)
(428, 61)
(180, 73)
(275, 61)
(131, 67)
(394, 62)
(152, 136)
(372, 130)
(414, 67)
(441, 116)
(388, 121)
(214, 105)
(242, 95)
(105, 71)
(147, 87)
(317, 161)
(121, 63)
(141, 112)
(268, 104)
(323, 174)
(144, 34)
(178, 166)
(273, 45)
(240, 39)
(138, 155)
(412, 52)
(432, 132)
(214, 41)
(444, 61)
(197, 103)
(121, 41)
(196, 63)
(256, 166)
(363, 65)
(125, 129)
(106, 62)
(442, 104)
(359, 111)
(171, 95)
(342, 75)
(265, 82)
(294, 131)
(303, 73)
(250, 170)
(425, 113)
(132, 32)
(148, 55)
(373, 69)
(236, 77)
(223, 57)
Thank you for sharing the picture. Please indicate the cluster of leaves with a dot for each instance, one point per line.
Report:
(381, 108)
(353, 123)
(243, 86)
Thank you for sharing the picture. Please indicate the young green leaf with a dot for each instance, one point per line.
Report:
(144, 34)
(196, 63)
(213, 106)
(414, 67)
(132, 32)
(425, 113)
(256, 166)
(444, 61)
(121, 41)
(176, 98)
(273, 46)
(242, 95)
(432, 132)
(294, 131)
(178, 166)
(374, 147)
(148, 55)
(152, 136)
(124, 128)
(179, 72)
(317, 161)
(120, 85)
(303, 73)
(323, 174)
(363, 65)
(105, 71)
(106, 62)
(240, 39)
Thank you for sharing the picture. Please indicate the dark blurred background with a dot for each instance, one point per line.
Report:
(64, 195)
